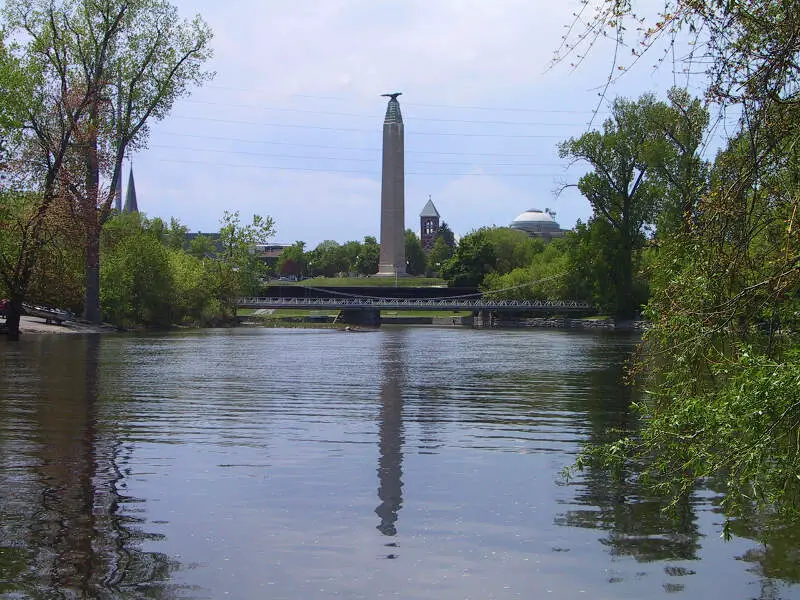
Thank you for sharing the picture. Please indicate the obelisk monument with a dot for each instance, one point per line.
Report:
(393, 251)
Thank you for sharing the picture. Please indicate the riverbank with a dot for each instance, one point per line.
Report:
(35, 325)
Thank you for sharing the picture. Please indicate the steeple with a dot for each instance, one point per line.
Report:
(130, 196)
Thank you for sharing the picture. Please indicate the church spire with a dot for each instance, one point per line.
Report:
(130, 196)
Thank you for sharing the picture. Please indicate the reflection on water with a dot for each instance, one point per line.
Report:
(242, 463)
(63, 533)
(390, 463)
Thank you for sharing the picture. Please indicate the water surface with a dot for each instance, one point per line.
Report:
(404, 463)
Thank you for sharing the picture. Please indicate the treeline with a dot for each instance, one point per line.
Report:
(81, 81)
(360, 259)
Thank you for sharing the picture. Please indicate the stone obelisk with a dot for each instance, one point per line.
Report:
(393, 252)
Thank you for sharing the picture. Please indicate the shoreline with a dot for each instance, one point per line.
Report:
(35, 325)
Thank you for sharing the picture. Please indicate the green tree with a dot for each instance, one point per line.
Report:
(34, 140)
(542, 279)
(446, 234)
(137, 282)
(416, 259)
(240, 271)
(472, 260)
(202, 246)
(350, 251)
(512, 248)
(619, 187)
(193, 300)
(327, 259)
(128, 61)
(293, 260)
(368, 256)
(722, 355)
(440, 253)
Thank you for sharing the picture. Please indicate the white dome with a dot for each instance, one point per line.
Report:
(534, 215)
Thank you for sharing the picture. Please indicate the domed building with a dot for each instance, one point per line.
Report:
(538, 223)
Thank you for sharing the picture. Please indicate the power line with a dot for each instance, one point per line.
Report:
(373, 149)
(377, 117)
(354, 130)
(406, 103)
(341, 158)
(353, 171)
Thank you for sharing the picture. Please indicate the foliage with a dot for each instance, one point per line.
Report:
(239, 269)
(439, 254)
(619, 187)
(488, 250)
(368, 257)
(292, 260)
(446, 234)
(137, 282)
(327, 259)
(105, 70)
(721, 356)
(542, 279)
(416, 259)
(472, 260)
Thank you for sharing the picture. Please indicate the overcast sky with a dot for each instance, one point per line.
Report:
(291, 125)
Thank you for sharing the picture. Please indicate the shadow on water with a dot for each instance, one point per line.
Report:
(390, 435)
(67, 528)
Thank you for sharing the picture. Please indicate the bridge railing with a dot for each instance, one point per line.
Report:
(413, 303)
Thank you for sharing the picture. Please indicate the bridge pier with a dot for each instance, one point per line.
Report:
(366, 317)
(482, 318)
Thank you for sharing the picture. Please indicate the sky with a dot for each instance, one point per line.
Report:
(291, 125)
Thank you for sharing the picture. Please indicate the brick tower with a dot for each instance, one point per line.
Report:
(428, 225)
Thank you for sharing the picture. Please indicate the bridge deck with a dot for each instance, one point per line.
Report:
(412, 304)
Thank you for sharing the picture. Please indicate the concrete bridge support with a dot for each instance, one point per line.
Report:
(482, 318)
(366, 317)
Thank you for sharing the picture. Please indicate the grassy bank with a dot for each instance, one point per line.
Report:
(366, 281)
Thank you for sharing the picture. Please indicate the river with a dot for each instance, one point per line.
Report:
(410, 463)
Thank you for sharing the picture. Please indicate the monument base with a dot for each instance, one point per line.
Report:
(390, 271)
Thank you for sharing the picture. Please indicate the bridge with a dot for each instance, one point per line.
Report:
(414, 304)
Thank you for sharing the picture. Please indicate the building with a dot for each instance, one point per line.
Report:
(428, 225)
(538, 223)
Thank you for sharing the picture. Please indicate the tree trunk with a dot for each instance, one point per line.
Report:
(626, 308)
(91, 304)
(13, 312)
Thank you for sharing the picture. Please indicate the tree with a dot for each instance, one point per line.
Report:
(619, 188)
(138, 287)
(542, 279)
(446, 234)
(327, 259)
(350, 251)
(439, 254)
(126, 62)
(368, 256)
(292, 260)
(472, 260)
(416, 259)
(240, 270)
(202, 246)
(34, 140)
(721, 355)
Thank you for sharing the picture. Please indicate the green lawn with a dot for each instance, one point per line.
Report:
(367, 281)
